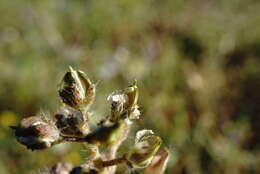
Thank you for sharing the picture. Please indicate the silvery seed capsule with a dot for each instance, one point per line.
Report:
(124, 103)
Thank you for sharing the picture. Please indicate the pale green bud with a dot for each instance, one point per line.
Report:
(145, 148)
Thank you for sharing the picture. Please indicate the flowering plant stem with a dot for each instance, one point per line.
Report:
(70, 124)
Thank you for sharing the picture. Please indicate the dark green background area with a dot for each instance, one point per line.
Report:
(197, 64)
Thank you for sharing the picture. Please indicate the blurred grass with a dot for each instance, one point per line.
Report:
(197, 64)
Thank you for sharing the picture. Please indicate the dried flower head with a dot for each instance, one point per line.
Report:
(145, 148)
(36, 133)
(76, 90)
(71, 122)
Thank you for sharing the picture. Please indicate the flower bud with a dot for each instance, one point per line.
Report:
(124, 103)
(71, 122)
(145, 148)
(76, 90)
(108, 135)
(36, 133)
(132, 94)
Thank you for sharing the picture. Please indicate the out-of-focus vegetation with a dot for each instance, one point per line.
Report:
(197, 64)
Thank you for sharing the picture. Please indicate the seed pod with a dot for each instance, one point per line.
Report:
(76, 90)
(118, 101)
(108, 135)
(145, 148)
(36, 133)
(124, 103)
(71, 122)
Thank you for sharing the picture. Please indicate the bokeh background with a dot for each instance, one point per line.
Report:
(197, 64)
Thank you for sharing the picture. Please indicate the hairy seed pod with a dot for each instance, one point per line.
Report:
(36, 133)
(71, 122)
(145, 148)
(124, 103)
(76, 90)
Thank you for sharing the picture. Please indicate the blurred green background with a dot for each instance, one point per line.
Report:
(197, 64)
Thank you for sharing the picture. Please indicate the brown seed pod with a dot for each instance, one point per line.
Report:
(76, 90)
(36, 133)
(71, 122)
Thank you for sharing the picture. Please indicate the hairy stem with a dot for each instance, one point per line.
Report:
(93, 154)
(112, 152)
(113, 162)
